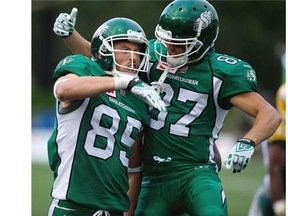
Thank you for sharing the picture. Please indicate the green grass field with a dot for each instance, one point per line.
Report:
(239, 188)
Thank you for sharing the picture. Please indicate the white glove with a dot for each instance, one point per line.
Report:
(240, 155)
(147, 93)
(65, 23)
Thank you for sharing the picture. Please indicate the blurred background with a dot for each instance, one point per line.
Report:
(253, 31)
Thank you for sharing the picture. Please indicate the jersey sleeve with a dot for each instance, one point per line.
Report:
(238, 78)
(79, 65)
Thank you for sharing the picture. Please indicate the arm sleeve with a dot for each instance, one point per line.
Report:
(239, 80)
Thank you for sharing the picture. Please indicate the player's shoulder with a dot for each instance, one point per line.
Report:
(73, 59)
(230, 67)
(228, 64)
(78, 64)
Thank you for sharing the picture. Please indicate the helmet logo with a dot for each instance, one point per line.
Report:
(102, 29)
(204, 20)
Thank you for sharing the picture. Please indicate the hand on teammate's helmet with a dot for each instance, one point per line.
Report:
(65, 23)
(240, 155)
(146, 93)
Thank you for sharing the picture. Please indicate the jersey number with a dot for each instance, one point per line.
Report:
(180, 127)
(99, 130)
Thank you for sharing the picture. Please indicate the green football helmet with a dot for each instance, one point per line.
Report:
(192, 24)
(119, 29)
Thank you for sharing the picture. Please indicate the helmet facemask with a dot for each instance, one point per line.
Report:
(107, 49)
(164, 38)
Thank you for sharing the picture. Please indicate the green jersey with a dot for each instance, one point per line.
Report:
(91, 144)
(198, 99)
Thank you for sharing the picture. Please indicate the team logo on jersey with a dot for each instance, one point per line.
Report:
(65, 61)
(204, 20)
(161, 66)
(251, 76)
(183, 69)
(111, 94)
(123, 92)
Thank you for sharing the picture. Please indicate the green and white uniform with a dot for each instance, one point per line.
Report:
(91, 144)
(178, 145)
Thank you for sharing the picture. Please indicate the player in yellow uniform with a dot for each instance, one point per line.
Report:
(269, 199)
(277, 157)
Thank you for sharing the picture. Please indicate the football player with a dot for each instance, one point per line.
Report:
(270, 197)
(199, 87)
(99, 122)
(277, 158)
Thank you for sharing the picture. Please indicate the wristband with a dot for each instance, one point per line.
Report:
(121, 82)
(247, 141)
(132, 83)
(70, 33)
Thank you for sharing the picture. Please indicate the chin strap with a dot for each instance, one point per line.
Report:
(158, 85)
